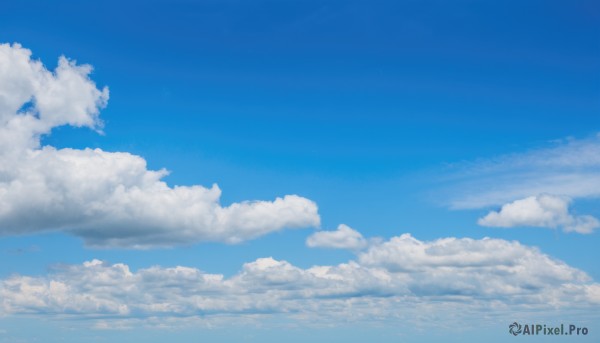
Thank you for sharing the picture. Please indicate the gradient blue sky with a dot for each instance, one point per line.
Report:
(381, 112)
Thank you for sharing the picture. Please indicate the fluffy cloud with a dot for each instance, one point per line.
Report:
(33, 100)
(547, 211)
(110, 199)
(343, 238)
(390, 280)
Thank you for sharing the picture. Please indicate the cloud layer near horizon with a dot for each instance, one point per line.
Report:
(110, 199)
(391, 279)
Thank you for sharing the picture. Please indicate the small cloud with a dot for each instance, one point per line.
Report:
(547, 211)
(582, 224)
(343, 238)
(112, 325)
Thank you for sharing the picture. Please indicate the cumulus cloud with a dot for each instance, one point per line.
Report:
(548, 211)
(110, 199)
(343, 238)
(390, 280)
(63, 97)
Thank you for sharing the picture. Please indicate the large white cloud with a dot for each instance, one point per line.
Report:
(548, 211)
(110, 199)
(343, 238)
(391, 280)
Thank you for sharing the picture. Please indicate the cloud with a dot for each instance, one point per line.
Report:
(392, 280)
(343, 238)
(33, 100)
(569, 167)
(110, 199)
(546, 211)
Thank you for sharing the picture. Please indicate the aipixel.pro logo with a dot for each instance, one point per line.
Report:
(516, 329)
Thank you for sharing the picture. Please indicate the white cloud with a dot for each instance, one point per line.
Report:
(343, 238)
(110, 199)
(65, 97)
(393, 280)
(548, 211)
(570, 168)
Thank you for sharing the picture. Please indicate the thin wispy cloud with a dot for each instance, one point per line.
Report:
(534, 188)
(109, 199)
(568, 168)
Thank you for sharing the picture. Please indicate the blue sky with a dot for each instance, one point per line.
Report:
(442, 120)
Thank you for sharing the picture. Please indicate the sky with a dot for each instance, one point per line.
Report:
(326, 171)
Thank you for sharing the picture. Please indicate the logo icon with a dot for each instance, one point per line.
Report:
(515, 328)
